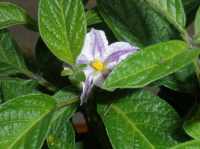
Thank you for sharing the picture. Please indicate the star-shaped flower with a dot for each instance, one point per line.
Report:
(100, 58)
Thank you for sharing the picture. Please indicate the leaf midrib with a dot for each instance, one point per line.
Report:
(30, 128)
(118, 110)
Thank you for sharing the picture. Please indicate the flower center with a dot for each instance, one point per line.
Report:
(98, 65)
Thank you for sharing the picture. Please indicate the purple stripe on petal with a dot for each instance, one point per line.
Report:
(99, 43)
(87, 87)
(81, 61)
(115, 56)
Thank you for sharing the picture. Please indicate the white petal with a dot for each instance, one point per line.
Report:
(100, 43)
(86, 54)
(87, 87)
(94, 47)
(118, 51)
(99, 79)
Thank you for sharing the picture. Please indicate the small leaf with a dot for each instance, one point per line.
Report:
(25, 121)
(150, 64)
(11, 61)
(139, 120)
(172, 10)
(192, 125)
(11, 14)
(62, 25)
(197, 27)
(92, 17)
(135, 21)
(16, 87)
(62, 135)
(194, 144)
(184, 80)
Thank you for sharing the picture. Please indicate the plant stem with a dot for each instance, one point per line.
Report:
(40, 80)
(188, 39)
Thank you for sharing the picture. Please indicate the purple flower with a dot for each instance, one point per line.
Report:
(100, 58)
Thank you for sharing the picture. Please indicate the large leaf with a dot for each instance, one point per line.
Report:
(11, 14)
(139, 120)
(134, 21)
(197, 26)
(173, 10)
(61, 135)
(11, 61)
(194, 144)
(150, 64)
(192, 125)
(16, 87)
(25, 121)
(62, 25)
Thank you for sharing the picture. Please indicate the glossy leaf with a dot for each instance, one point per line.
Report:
(93, 18)
(62, 135)
(139, 120)
(11, 14)
(25, 121)
(12, 88)
(194, 144)
(135, 21)
(62, 25)
(192, 125)
(172, 10)
(197, 26)
(11, 61)
(150, 64)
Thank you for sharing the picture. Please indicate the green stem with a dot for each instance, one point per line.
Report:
(188, 39)
(40, 80)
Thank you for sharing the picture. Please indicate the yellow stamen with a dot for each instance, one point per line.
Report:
(98, 65)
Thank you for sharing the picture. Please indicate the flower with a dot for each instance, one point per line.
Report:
(100, 58)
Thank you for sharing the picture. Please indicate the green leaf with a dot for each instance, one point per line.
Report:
(197, 27)
(25, 121)
(62, 25)
(194, 144)
(11, 61)
(135, 22)
(172, 10)
(11, 14)
(62, 135)
(150, 64)
(192, 124)
(184, 80)
(92, 17)
(16, 87)
(139, 120)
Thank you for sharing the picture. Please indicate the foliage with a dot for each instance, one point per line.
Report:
(130, 109)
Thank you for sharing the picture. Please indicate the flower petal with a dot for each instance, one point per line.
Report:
(86, 54)
(94, 47)
(118, 51)
(88, 84)
(100, 43)
(87, 87)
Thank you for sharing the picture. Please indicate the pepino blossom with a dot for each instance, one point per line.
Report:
(100, 58)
